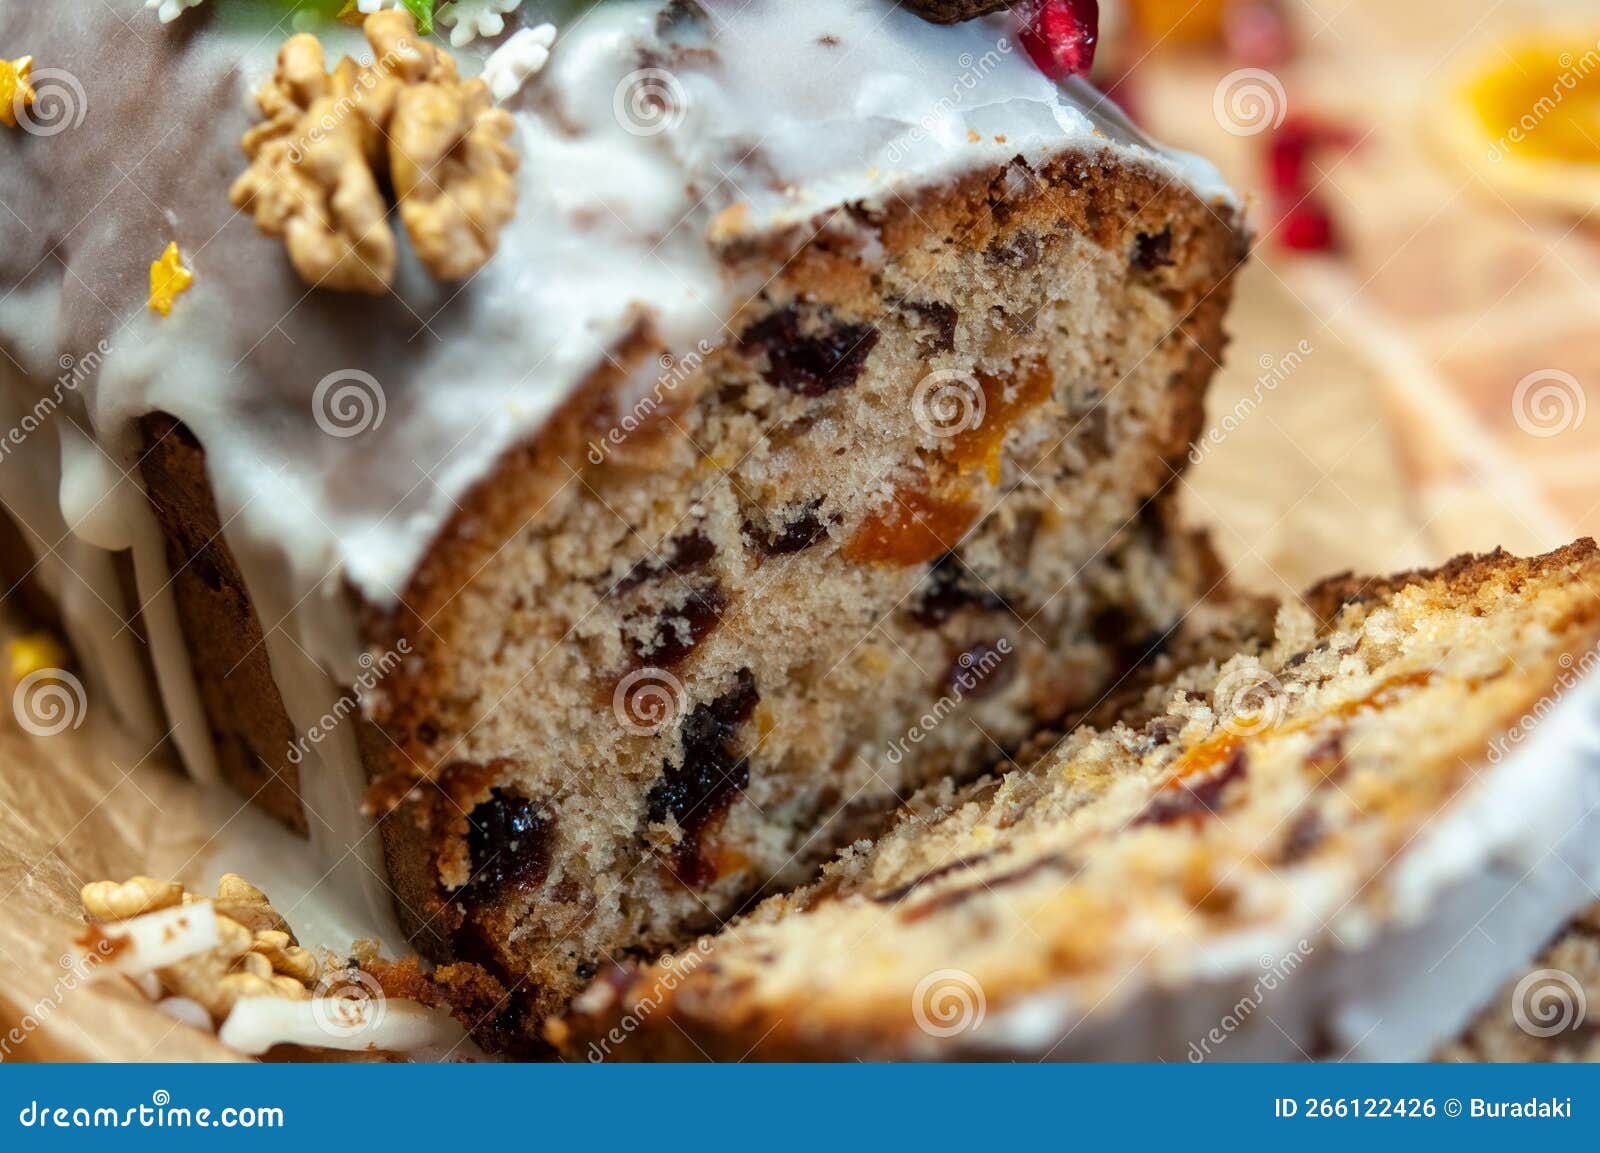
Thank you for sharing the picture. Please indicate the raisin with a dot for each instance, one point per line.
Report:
(1326, 758)
(1187, 800)
(942, 317)
(678, 630)
(1153, 250)
(681, 556)
(708, 779)
(950, 587)
(800, 531)
(809, 365)
(509, 842)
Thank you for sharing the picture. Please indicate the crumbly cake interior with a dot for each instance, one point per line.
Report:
(1267, 790)
(881, 535)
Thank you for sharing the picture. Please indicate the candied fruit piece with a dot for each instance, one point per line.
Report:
(915, 527)
(1060, 36)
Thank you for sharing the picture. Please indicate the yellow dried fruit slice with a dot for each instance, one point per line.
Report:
(1524, 116)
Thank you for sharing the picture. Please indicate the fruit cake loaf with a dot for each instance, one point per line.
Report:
(809, 434)
(1337, 841)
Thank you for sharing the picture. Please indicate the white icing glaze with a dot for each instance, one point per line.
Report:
(788, 109)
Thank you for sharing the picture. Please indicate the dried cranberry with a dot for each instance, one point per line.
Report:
(508, 840)
(809, 365)
(1060, 36)
(707, 779)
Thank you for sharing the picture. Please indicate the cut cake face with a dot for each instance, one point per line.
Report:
(1318, 822)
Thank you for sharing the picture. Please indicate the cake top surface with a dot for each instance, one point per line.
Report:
(653, 130)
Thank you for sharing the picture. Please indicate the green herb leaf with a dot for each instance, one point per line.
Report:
(423, 11)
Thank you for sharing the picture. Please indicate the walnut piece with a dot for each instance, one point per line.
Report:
(117, 901)
(256, 956)
(328, 140)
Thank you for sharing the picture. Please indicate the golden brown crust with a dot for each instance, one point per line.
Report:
(249, 727)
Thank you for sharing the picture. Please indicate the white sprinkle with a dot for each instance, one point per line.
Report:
(169, 10)
(469, 19)
(510, 65)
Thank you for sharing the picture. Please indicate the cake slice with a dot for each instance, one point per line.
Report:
(1335, 842)
(809, 436)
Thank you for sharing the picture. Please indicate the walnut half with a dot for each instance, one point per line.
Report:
(330, 139)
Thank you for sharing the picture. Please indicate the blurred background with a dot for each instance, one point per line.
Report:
(1417, 338)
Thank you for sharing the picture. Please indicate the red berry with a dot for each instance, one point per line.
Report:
(1060, 36)
(1307, 227)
